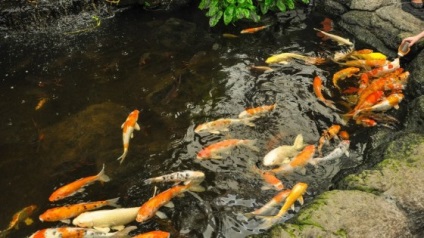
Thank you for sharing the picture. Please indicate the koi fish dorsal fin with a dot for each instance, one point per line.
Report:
(298, 142)
(300, 200)
(137, 126)
(102, 229)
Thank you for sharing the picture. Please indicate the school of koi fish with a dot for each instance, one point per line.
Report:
(370, 86)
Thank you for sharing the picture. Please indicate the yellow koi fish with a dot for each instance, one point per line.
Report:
(284, 58)
(276, 200)
(127, 133)
(21, 216)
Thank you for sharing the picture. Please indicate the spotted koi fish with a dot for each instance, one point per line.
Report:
(257, 111)
(128, 128)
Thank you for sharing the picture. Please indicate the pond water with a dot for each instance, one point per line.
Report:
(178, 73)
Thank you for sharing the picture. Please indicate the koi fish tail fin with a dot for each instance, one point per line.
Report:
(268, 221)
(251, 145)
(147, 181)
(113, 202)
(124, 232)
(331, 105)
(298, 142)
(197, 188)
(102, 176)
(248, 121)
(122, 157)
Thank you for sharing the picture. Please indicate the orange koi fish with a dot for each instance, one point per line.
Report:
(222, 124)
(257, 111)
(344, 135)
(154, 234)
(229, 35)
(327, 24)
(344, 73)
(371, 100)
(276, 200)
(22, 215)
(224, 146)
(69, 211)
(270, 178)
(254, 29)
(151, 207)
(327, 135)
(76, 232)
(78, 186)
(392, 101)
(363, 82)
(365, 121)
(128, 128)
(296, 194)
(317, 85)
(298, 162)
(41, 103)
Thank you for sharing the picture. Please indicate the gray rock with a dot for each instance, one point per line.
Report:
(415, 118)
(333, 8)
(415, 85)
(369, 5)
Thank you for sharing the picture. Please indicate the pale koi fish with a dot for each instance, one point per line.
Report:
(342, 148)
(225, 146)
(24, 215)
(151, 207)
(217, 126)
(69, 211)
(275, 201)
(392, 101)
(336, 38)
(282, 154)
(257, 111)
(105, 220)
(154, 234)
(186, 176)
(296, 194)
(317, 86)
(298, 162)
(128, 128)
(340, 55)
(269, 177)
(284, 58)
(253, 29)
(76, 232)
(327, 135)
(78, 186)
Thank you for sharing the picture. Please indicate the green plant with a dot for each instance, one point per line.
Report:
(233, 10)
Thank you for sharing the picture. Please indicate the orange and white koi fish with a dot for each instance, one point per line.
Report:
(76, 232)
(269, 177)
(365, 64)
(151, 207)
(224, 146)
(344, 73)
(154, 234)
(296, 194)
(105, 220)
(364, 81)
(22, 215)
(284, 153)
(298, 162)
(276, 200)
(317, 85)
(336, 38)
(257, 111)
(327, 135)
(392, 101)
(342, 148)
(253, 29)
(78, 186)
(388, 68)
(217, 126)
(284, 58)
(69, 211)
(128, 128)
(186, 176)
(371, 100)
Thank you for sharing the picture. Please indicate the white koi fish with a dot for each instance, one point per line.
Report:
(76, 232)
(338, 39)
(342, 148)
(186, 176)
(217, 126)
(298, 162)
(282, 154)
(104, 220)
(127, 133)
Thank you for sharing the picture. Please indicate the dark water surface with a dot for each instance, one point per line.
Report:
(179, 73)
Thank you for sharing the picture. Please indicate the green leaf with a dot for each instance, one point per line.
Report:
(241, 2)
(215, 19)
(264, 9)
(269, 3)
(230, 2)
(255, 17)
(229, 14)
(203, 4)
(281, 5)
(213, 9)
(290, 4)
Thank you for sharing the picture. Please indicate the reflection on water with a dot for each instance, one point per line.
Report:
(178, 75)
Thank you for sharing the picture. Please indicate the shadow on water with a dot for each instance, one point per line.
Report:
(64, 97)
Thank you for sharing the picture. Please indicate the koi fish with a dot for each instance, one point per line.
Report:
(392, 101)
(272, 181)
(369, 56)
(365, 121)
(186, 176)
(388, 68)
(258, 68)
(224, 146)
(22, 215)
(336, 38)
(41, 103)
(284, 58)
(296, 194)
(344, 73)
(327, 135)
(105, 220)
(257, 111)
(69, 211)
(217, 126)
(371, 100)
(151, 207)
(154, 234)
(254, 29)
(78, 186)
(365, 64)
(317, 85)
(342, 148)
(276, 200)
(127, 133)
(344, 135)
(282, 154)
(297, 162)
(76, 232)
(229, 35)
(363, 82)
(327, 24)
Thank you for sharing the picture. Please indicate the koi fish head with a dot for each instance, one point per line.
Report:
(205, 153)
